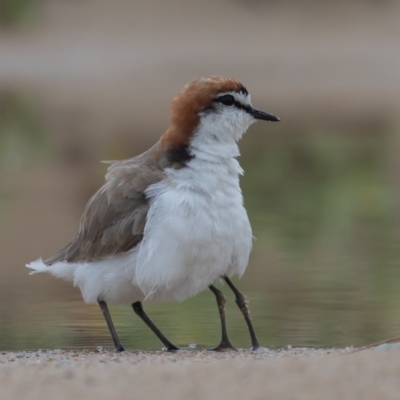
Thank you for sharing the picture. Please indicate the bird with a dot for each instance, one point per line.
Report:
(168, 223)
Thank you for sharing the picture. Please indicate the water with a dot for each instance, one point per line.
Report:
(294, 313)
(324, 271)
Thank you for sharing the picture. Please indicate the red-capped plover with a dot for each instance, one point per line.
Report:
(171, 221)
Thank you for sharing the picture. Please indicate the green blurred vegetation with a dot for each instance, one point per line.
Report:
(17, 12)
(321, 201)
(22, 137)
(22, 132)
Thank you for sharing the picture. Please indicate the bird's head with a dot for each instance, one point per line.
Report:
(214, 109)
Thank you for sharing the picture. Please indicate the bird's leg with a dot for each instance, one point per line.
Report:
(243, 305)
(107, 317)
(137, 307)
(221, 300)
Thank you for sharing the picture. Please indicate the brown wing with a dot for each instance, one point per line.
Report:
(114, 219)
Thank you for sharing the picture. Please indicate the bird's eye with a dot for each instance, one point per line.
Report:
(226, 100)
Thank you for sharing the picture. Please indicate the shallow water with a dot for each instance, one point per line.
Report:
(324, 270)
(312, 317)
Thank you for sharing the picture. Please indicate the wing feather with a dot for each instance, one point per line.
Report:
(115, 217)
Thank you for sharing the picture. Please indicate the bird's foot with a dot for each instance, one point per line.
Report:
(224, 346)
(172, 347)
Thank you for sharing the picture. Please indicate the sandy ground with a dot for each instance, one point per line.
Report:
(266, 374)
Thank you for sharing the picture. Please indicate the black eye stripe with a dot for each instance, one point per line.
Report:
(241, 106)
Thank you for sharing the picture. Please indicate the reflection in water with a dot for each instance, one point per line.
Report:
(324, 270)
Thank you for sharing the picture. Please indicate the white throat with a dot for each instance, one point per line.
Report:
(217, 134)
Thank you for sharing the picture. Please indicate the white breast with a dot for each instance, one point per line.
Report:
(197, 230)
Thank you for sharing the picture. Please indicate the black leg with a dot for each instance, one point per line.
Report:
(221, 300)
(242, 303)
(137, 307)
(107, 317)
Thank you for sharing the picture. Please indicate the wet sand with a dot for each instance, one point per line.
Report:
(265, 374)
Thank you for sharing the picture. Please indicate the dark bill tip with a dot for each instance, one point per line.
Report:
(257, 114)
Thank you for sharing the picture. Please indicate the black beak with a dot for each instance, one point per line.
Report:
(257, 114)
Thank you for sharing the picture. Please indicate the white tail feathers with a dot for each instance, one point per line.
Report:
(37, 266)
(59, 269)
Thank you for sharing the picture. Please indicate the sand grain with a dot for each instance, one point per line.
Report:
(267, 374)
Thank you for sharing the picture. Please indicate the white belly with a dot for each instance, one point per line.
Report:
(191, 239)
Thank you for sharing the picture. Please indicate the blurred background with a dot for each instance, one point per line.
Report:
(88, 80)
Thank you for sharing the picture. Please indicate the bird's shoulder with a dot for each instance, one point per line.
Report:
(114, 218)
